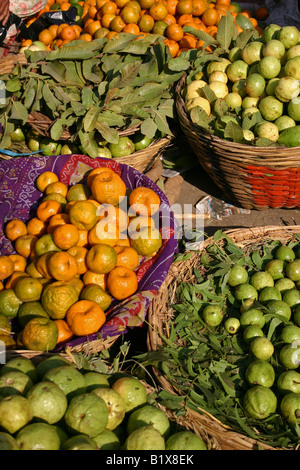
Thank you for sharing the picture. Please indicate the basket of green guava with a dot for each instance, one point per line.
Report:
(239, 108)
(225, 329)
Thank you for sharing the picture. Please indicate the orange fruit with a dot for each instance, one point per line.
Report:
(53, 30)
(65, 6)
(85, 317)
(131, 28)
(104, 232)
(129, 14)
(56, 221)
(46, 37)
(173, 46)
(77, 29)
(261, 13)
(184, 7)
(62, 266)
(183, 19)
(64, 331)
(40, 334)
(6, 267)
(83, 238)
(57, 298)
(147, 241)
(123, 241)
(174, 32)
(89, 277)
(170, 19)
(146, 23)
(78, 192)
(223, 2)
(108, 187)
(108, 7)
(97, 294)
(114, 215)
(199, 7)
(210, 17)
(137, 223)
(122, 282)
(36, 227)
(25, 244)
(15, 228)
(83, 214)
(47, 209)
(143, 201)
(42, 265)
(158, 11)
(28, 289)
(19, 261)
(65, 236)
(56, 187)
(86, 37)
(117, 24)
(91, 28)
(80, 254)
(107, 19)
(101, 258)
(171, 6)
(13, 279)
(127, 257)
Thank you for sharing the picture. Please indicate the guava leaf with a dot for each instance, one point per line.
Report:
(250, 120)
(149, 128)
(243, 38)
(179, 64)
(88, 143)
(243, 22)
(225, 31)
(111, 119)
(55, 69)
(233, 132)
(109, 134)
(207, 38)
(92, 71)
(13, 84)
(90, 119)
(50, 100)
(87, 98)
(263, 142)
(19, 112)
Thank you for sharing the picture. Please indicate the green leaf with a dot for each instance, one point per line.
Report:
(92, 71)
(179, 64)
(19, 112)
(55, 69)
(90, 119)
(87, 98)
(233, 132)
(88, 143)
(49, 97)
(112, 119)
(108, 134)
(243, 22)
(149, 128)
(225, 31)
(13, 85)
(57, 129)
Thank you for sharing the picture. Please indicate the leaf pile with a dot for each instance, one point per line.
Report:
(205, 365)
(95, 89)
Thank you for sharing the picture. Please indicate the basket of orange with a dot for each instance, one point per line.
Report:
(75, 271)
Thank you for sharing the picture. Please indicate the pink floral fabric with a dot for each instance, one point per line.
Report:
(26, 8)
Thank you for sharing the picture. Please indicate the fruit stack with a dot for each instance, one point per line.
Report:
(52, 405)
(77, 257)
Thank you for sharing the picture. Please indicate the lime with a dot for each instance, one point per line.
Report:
(260, 402)
(261, 348)
(30, 310)
(267, 130)
(232, 325)
(289, 407)
(212, 315)
(237, 70)
(287, 88)
(186, 440)
(251, 332)
(289, 36)
(270, 108)
(269, 67)
(292, 67)
(9, 303)
(292, 297)
(252, 52)
(245, 291)
(289, 356)
(270, 32)
(271, 85)
(274, 48)
(294, 109)
(289, 381)
(260, 373)
(284, 122)
(280, 307)
(28, 289)
(292, 270)
(252, 316)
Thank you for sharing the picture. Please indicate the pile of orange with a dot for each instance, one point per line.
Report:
(81, 249)
(108, 18)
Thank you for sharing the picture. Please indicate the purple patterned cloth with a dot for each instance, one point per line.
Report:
(20, 198)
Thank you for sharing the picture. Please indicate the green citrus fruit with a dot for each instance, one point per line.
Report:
(9, 303)
(29, 310)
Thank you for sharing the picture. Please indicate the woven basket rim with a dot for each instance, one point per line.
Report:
(216, 140)
(157, 319)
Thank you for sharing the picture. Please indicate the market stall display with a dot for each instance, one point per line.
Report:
(24, 200)
(226, 324)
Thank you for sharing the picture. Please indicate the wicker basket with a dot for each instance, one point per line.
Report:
(179, 423)
(160, 314)
(8, 63)
(250, 177)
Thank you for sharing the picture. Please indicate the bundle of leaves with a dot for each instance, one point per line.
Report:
(94, 90)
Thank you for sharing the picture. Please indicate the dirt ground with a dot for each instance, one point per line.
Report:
(197, 184)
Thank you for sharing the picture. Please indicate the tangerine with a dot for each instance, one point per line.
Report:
(65, 236)
(147, 241)
(85, 317)
(40, 334)
(97, 294)
(56, 221)
(143, 201)
(36, 227)
(122, 282)
(62, 266)
(57, 297)
(89, 277)
(108, 187)
(127, 257)
(56, 187)
(15, 228)
(64, 331)
(19, 261)
(80, 254)
(28, 289)
(115, 215)
(158, 11)
(25, 244)
(104, 232)
(47, 209)
(83, 214)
